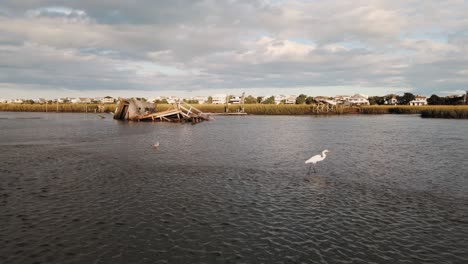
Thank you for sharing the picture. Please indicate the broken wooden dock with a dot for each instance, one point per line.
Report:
(178, 112)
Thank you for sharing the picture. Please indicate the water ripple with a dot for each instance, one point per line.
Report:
(114, 200)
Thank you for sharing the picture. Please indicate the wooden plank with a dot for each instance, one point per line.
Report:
(162, 113)
(185, 115)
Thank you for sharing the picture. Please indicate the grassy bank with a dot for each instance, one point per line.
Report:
(68, 108)
(456, 112)
(428, 111)
(262, 109)
(256, 109)
(393, 109)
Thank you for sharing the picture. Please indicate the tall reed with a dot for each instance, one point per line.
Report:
(455, 112)
(439, 111)
(73, 108)
(255, 109)
(435, 111)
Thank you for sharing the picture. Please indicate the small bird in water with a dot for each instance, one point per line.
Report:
(156, 145)
(316, 159)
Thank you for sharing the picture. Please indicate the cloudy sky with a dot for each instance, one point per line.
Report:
(174, 47)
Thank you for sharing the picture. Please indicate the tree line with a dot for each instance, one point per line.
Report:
(406, 98)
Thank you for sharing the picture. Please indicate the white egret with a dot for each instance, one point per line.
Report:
(316, 159)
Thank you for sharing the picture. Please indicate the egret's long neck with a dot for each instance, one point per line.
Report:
(324, 154)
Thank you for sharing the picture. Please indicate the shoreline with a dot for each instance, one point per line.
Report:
(428, 111)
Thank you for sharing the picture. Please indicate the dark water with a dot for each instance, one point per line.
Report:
(78, 189)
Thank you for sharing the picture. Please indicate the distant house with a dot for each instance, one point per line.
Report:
(291, 99)
(341, 99)
(85, 100)
(219, 99)
(108, 100)
(419, 100)
(75, 100)
(391, 100)
(62, 100)
(173, 99)
(359, 99)
(235, 100)
(17, 101)
(456, 99)
(3, 101)
(320, 98)
(324, 100)
(329, 101)
(279, 99)
(200, 99)
(40, 101)
(156, 99)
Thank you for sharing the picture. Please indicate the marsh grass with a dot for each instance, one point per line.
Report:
(428, 111)
(254, 109)
(434, 111)
(69, 108)
(456, 112)
(391, 109)
(282, 109)
(269, 109)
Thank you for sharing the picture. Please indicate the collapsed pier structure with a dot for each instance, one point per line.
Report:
(137, 110)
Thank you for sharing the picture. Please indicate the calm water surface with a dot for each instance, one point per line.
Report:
(78, 189)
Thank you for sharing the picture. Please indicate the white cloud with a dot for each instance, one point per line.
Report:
(207, 45)
(57, 11)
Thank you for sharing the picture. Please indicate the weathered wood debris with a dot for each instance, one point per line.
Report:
(325, 107)
(137, 110)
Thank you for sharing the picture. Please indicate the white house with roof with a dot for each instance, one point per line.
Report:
(108, 100)
(85, 100)
(341, 99)
(291, 99)
(359, 99)
(235, 100)
(391, 100)
(3, 101)
(329, 101)
(219, 99)
(17, 101)
(40, 101)
(157, 98)
(419, 100)
(62, 100)
(75, 100)
(325, 100)
(173, 99)
(279, 98)
(200, 99)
